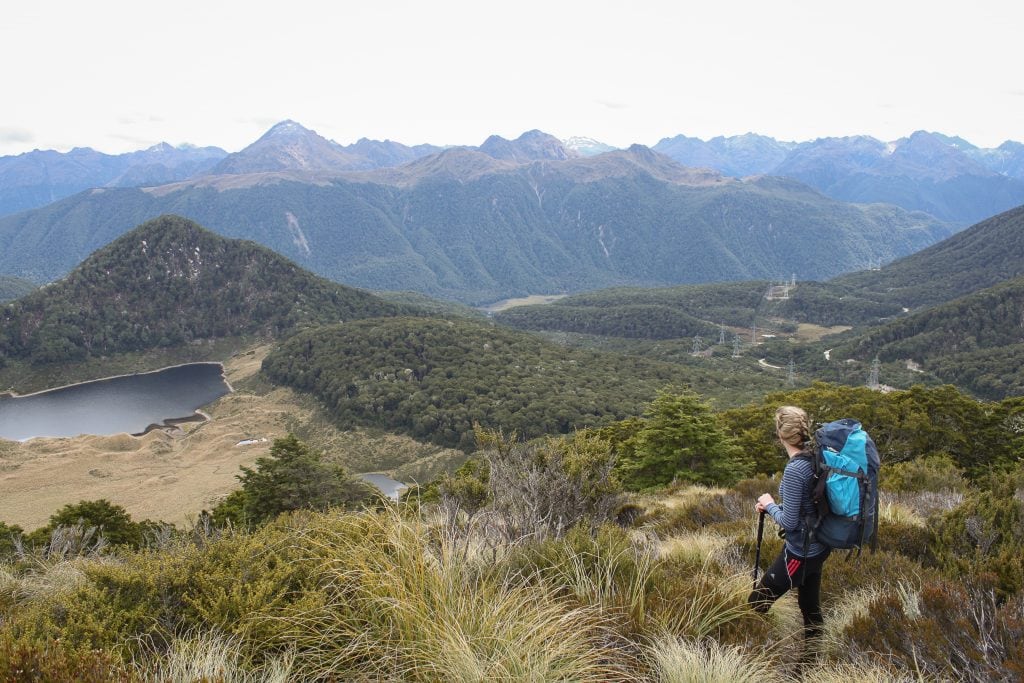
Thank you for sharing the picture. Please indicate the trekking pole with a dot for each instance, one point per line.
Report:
(757, 555)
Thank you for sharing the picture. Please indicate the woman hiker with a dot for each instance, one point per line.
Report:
(796, 566)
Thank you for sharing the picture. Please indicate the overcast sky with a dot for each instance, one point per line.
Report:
(124, 75)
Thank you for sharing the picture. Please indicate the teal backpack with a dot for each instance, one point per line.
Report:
(844, 487)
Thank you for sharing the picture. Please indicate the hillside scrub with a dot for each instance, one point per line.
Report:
(390, 595)
(425, 591)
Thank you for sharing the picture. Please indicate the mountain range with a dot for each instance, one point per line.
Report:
(944, 176)
(465, 224)
(40, 177)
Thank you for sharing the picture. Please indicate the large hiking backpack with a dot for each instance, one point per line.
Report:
(844, 487)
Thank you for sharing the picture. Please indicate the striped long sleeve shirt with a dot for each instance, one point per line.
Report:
(794, 490)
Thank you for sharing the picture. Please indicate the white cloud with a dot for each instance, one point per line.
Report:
(12, 134)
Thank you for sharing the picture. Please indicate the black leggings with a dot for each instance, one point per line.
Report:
(792, 571)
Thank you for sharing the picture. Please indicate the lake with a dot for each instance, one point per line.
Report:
(128, 403)
(391, 488)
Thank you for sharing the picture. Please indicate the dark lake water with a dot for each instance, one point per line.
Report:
(131, 403)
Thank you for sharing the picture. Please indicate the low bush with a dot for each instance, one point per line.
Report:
(945, 632)
(932, 473)
(52, 660)
(983, 535)
(913, 541)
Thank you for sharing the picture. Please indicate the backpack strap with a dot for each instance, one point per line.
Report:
(816, 490)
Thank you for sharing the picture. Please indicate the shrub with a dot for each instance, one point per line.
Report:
(292, 477)
(238, 584)
(680, 438)
(985, 535)
(109, 521)
(913, 541)
(946, 632)
(51, 660)
(10, 539)
(932, 473)
(545, 488)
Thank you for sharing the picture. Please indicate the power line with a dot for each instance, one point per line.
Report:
(873, 377)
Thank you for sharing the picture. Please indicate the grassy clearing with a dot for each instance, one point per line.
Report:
(807, 332)
(532, 300)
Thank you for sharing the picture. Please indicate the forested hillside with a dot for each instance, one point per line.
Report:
(14, 287)
(170, 282)
(434, 379)
(976, 342)
(981, 256)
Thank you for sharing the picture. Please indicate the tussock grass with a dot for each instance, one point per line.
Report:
(208, 657)
(46, 580)
(844, 673)
(707, 661)
(696, 548)
(710, 602)
(691, 495)
(898, 513)
(403, 605)
(925, 503)
(611, 577)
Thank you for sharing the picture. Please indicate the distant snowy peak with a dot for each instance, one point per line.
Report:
(160, 148)
(287, 128)
(587, 147)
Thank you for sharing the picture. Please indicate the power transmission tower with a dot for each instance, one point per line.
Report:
(721, 333)
(736, 346)
(873, 377)
(697, 343)
(791, 376)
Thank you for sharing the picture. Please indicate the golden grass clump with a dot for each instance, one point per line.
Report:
(695, 548)
(699, 603)
(403, 605)
(898, 513)
(208, 657)
(49, 579)
(675, 660)
(844, 673)
(692, 495)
